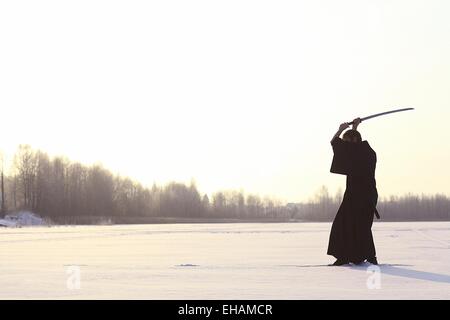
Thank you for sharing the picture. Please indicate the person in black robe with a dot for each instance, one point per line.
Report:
(351, 238)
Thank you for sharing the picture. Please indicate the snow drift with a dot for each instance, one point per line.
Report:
(22, 218)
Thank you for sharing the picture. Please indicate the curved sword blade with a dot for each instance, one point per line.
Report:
(382, 114)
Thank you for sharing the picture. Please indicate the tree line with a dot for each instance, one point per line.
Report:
(59, 188)
(409, 207)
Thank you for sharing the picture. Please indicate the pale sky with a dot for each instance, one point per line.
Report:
(235, 94)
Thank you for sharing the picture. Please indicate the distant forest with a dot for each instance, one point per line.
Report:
(66, 191)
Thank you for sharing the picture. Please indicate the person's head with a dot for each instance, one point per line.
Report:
(352, 136)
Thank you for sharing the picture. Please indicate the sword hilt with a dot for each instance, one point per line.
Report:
(351, 122)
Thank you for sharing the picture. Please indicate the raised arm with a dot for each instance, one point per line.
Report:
(342, 127)
(356, 123)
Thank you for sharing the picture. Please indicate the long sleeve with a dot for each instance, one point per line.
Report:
(343, 156)
(354, 158)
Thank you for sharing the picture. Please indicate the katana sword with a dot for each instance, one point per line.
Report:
(382, 114)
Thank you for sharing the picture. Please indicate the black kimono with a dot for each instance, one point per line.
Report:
(351, 235)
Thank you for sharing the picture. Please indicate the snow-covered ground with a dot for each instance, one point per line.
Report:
(219, 261)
